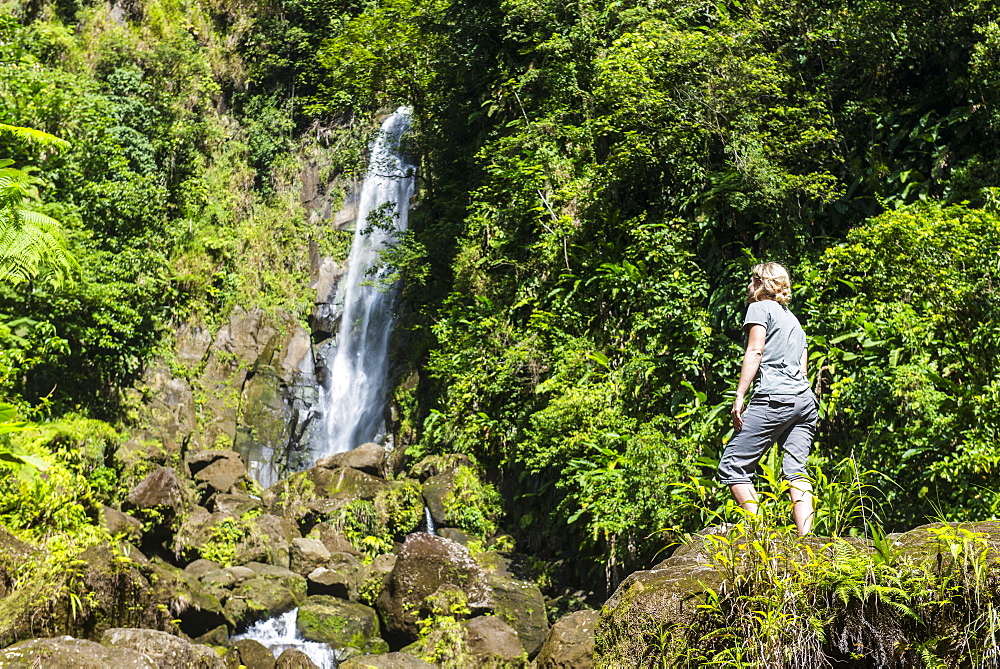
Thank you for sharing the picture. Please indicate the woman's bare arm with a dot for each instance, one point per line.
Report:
(751, 363)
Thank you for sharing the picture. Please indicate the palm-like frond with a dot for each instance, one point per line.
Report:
(31, 243)
(36, 136)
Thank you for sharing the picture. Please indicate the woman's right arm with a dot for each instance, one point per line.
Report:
(751, 363)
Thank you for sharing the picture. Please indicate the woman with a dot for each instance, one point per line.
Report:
(783, 408)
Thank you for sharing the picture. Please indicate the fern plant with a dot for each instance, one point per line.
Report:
(31, 243)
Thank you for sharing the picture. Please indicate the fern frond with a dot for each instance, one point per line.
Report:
(37, 136)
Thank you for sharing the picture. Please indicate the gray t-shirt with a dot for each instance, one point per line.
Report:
(781, 364)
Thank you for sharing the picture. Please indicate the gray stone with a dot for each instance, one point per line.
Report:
(197, 606)
(220, 578)
(121, 524)
(163, 649)
(65, 652)
(278, 534)
(570, 642)
(520, 603)
(253, 654)
(201, 566)
(345, 482)
(323, 581)
(387, 661)
(271, 591)
(162, 488)
(369, 458)
(341, 624)
(219, 470)
(456, 535)
(235, 505)
(335, 541)
(434, 491)
(491, 640)
(425, 563)
(293, 658)
(307, 555)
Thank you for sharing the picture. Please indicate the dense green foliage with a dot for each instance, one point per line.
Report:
(596, 178)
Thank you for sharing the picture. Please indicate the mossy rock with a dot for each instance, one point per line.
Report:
(341, 624)
(266, 595)
(344, 482)
(650, 604)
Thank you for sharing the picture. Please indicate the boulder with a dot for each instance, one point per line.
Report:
(14, 553)
(425, 563)
(434, 491)
(664, 597)
(387, 661)
(218, 637)
(119, 524)
(65, 652)
(163, 649)
(234, 539)
(344, 482)
(323, 581)
(233, 504)
(570, 642)
(433, 465)
(271, 591)
(307, 555)
(293, 658)
(218, 470)
(493, 642)
(201, 566)
(334, 541)
(278, 534)
(341, 624)
(456, 535)
(517, 601)
(369, 458)
(161, 489)
(198, 607)
(251, 654)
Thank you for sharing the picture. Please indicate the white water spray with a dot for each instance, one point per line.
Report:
(353, 398)
(281, 632)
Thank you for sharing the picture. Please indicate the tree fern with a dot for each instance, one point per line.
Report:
(31, 244)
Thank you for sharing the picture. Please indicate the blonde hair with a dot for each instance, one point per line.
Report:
(774, 283)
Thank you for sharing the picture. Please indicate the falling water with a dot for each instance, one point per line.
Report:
(429, 521)
(281, 632)
(353, 398)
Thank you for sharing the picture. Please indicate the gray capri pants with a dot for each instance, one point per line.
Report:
(789, 420)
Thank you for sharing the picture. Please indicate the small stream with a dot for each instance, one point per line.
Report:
(281, 633)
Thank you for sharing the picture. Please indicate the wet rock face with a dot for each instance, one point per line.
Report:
(425, 563)
(65, 652)
(570, 642)
(163, 649)
(256, 387)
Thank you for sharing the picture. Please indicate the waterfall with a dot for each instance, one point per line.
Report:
(281, 632)
(429, 521)
(353, 397)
